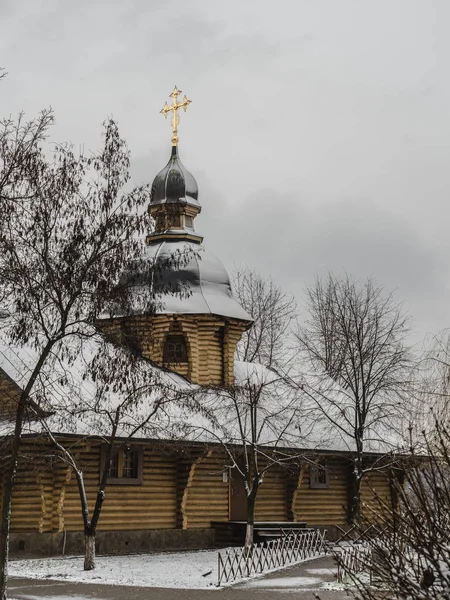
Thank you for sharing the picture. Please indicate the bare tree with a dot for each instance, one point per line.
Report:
(269, 340)
(256, 421)
(432, 393)
(412, 559)
(20, 152)
(115, 394)
(68, 233)
(355, 337)
(19, 157)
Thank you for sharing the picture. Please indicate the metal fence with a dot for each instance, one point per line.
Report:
(353, 559)
(370, 557)
(356, 534)
(292, 547)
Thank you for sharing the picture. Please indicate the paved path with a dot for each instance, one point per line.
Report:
(305, 580)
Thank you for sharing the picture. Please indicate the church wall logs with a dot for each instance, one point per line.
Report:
(183, 489)
(46, 498)
(206, 494)
(375, 491)
(211, 342)
(151, 505)
(329, 506)
(32, 499)
(271, 501)
(322, 506)
(9, 395)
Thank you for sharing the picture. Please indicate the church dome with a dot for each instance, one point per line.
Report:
(174, 184)
(197, 280)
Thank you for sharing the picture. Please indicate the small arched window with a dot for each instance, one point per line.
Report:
(175, 350)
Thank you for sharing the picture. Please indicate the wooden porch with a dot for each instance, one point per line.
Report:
(232, 533)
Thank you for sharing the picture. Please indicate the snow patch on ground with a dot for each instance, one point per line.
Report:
(321, 572)
(168, 570)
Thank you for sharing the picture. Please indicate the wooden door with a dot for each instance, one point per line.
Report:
(238, 497)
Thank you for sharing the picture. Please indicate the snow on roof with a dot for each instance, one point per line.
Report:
(252, 372)
(79, 400)
(201, 274)
(81, 397)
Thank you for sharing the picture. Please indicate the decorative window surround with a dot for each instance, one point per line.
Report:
(319, 477)
(126, 466)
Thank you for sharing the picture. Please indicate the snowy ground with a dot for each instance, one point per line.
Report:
(190, 570)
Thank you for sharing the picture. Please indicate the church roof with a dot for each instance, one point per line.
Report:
(80, 404)
(197, 275)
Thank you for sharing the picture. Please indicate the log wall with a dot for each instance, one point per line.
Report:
(32, 499)
(271, 501)
(375, 491)
(322, 506)
(151, 505)
(182, 489)
(210, 340)
(206, 496)
(46, 497)
(9, 396)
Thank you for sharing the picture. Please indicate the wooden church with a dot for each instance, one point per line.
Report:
(168, 494)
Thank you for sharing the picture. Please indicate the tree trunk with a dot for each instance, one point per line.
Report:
(12, 470)
(251, 500)
(7, 500)
(355, 495)
(4, 537)
(89, 551)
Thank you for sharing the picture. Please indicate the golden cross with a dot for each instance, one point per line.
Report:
(176, 117)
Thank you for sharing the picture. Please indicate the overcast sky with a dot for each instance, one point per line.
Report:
(319, 130)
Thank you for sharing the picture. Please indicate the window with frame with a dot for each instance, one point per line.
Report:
(319, 477)
(175, 350)
(125, 466)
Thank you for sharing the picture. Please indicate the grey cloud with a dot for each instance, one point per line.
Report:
(294, 240)
(319, 131)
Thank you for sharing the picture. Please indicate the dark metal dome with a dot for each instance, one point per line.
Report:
(187, 280)
(174, 184)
